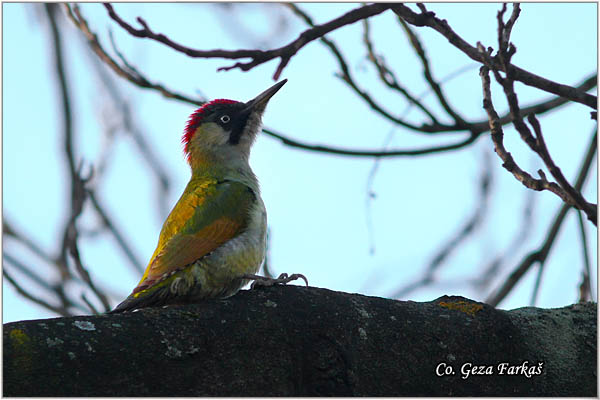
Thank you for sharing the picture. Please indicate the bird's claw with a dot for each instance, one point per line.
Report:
(280, 280)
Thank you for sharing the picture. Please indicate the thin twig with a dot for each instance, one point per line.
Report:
(128, 124)
(372, 153)
(151, 159)
(76, 17)
(30, 273)
(346, 75)
(591, 210)
(116, 233)
(58, 310)
(10, 230)
(464, 232)
(370, 194)
(87, 302)
(55, 289)
(419, 49)
(430, 20)
(511, 22)
(78, 193)
(563, 189)
(586, 285)
(538, 281)
(477, 127)
(541, 254)
(492, 267)
(85, 275)
(508, 162)
(284, 53)
(387, 76)
(67, 123)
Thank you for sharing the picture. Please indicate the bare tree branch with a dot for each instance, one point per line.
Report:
(74, 251)
(122, 111)
(78, 193)
(506, 50)
(590, 209)
(428, 18)
(88, 303)
(69, 260)
(538, 280)
(371, 153)
(58, 310)
(119, 237)
(131, 75)
(387, 76)
(347, 77)
(52, 289)
(243, 30)
(509, 163)
(370, 194)
(492, 267)
(128, 124)
(507, 29)
(258, 57)
(585, 289)
(540, 255)
(30, 273)
(10, 230)
(419, 49)
(478, 127)
(464, 232)
(67, 125)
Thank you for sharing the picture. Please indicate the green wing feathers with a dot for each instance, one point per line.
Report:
(208, 214)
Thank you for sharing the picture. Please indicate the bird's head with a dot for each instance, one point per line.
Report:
(224, 130)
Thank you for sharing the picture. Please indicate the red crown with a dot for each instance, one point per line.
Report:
(194, 121)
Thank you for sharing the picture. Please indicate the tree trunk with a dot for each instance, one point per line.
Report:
(295, 341)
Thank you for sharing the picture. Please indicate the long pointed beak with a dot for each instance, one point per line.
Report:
(260, 101)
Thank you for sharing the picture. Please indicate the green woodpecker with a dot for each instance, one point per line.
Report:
(213, 241)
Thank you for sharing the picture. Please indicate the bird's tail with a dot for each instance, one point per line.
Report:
(152, 297)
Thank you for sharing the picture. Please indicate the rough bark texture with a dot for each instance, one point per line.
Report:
(295, 341)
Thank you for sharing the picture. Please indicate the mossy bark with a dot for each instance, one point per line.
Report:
(295, 341)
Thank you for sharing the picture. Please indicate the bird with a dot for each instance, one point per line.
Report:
(214, 240)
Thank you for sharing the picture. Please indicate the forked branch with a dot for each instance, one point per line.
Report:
(258, 57)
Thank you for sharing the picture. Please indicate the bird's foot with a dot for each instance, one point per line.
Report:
(280, 280)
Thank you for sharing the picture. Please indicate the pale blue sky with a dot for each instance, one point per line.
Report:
(315, 202)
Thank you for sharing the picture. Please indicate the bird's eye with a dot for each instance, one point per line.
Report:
(225, 119)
